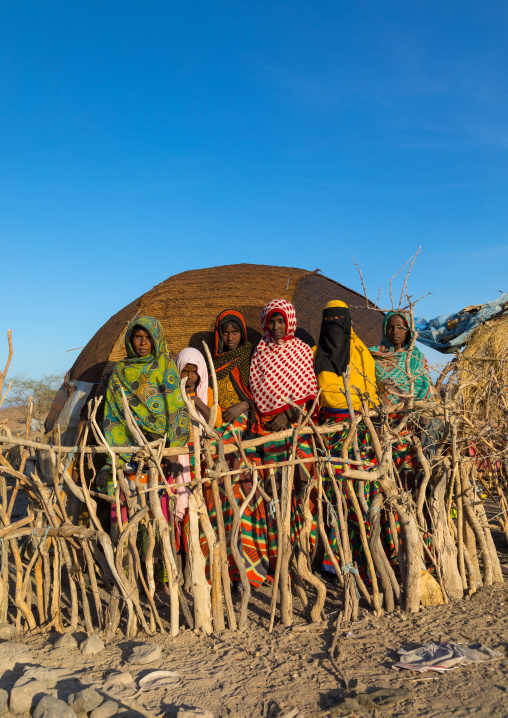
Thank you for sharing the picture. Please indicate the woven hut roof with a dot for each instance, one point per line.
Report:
(188, 304)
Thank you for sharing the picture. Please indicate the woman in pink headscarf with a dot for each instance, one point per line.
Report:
(191, 365)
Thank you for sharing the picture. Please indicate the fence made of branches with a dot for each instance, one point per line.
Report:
(49, 559)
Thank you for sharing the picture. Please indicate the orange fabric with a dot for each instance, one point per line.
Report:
(143, 479)
(209, 403)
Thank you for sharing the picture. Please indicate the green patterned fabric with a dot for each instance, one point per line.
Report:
(392, 378)
(152, 387)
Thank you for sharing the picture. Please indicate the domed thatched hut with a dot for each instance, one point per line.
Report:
(188, 303)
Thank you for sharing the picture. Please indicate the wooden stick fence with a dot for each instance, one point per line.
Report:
(48, 559)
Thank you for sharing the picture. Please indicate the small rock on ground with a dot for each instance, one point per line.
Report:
(105, 710)
(147, 653)
(92, 645)
(13, 653)
(4, 697)
(49, 707)
(7, 631)
(46, 676)
(194, 713)
(118, 680)
(66, 640)
(85, 701)
(25, 696)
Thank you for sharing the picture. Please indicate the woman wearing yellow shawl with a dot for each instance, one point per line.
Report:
(338, 349)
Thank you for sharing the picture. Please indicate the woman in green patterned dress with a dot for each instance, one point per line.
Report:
(151, 383)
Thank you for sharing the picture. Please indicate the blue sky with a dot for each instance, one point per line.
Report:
(139, 140)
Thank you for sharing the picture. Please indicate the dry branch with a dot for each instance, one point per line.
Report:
(447, 479)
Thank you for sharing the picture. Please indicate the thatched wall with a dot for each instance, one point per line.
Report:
(188, 304)
(483, 372)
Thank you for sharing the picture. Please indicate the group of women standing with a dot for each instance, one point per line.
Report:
(262, 391)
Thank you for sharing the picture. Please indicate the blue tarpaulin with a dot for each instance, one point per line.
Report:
(450, 332)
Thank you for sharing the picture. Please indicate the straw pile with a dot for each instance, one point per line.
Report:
(483, 373)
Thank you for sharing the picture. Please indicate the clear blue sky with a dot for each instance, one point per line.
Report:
(141, 139)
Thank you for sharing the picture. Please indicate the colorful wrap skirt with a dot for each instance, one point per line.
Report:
(364, 489)
(180, 528)
(405, 458)
(278, 451)
(253, 531)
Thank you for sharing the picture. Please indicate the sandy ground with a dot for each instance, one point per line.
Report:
(14, 419)
(268, 675)
(16, 422)
(261, 674)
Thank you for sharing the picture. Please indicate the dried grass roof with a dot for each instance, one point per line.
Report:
(187, 306)
(483, 372)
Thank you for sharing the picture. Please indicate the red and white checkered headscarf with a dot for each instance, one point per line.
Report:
(282, 369)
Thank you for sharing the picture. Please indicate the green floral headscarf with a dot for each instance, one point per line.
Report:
(391, 376)
(152, 387)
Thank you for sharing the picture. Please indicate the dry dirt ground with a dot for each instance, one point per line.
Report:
(267, 675)
(260, 674)
(14, 419)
